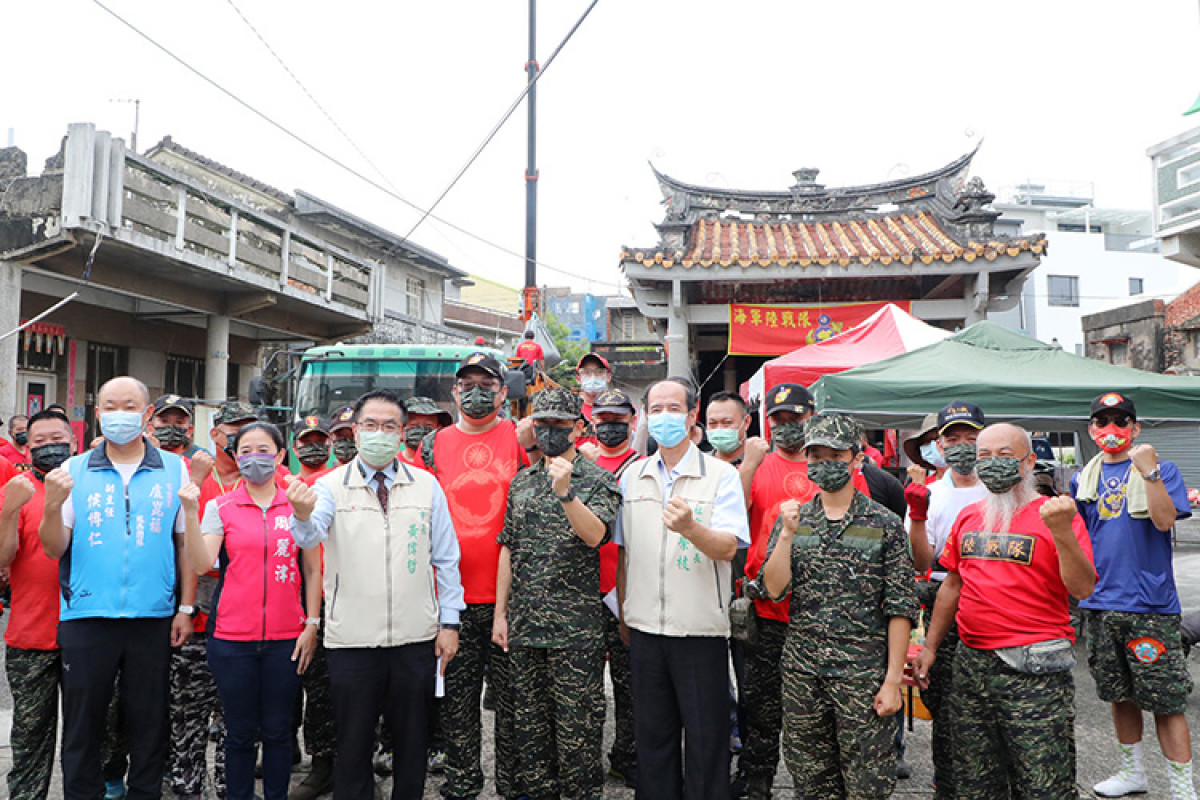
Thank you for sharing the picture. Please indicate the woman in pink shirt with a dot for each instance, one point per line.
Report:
(260, 636)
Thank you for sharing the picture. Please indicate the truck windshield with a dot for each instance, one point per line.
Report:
(330, 384)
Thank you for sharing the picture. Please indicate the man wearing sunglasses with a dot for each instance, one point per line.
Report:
(1130, 500)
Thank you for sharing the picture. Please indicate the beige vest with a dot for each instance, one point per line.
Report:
(379, 580)
(671, 588)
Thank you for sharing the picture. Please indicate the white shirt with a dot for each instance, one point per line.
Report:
(946, 501)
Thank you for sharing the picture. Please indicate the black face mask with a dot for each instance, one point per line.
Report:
(47, 457)
(553, 441)
(313, 454)
(344, 450)
(171, 437)
(416, 434)
(612, 434)
(21, 438)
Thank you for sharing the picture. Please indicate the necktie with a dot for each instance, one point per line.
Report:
(381, 490)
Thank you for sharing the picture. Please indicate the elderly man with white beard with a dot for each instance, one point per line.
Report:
(1011, 559)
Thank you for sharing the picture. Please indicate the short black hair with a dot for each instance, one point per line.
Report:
(387, 396)
(272, 431)
(49, 414)
(529, 334)
(730, 397)
(692, 397)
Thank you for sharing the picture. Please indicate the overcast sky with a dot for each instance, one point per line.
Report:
(736, 94)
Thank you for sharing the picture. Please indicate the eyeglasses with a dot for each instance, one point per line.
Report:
(1120, 421)
(466, 386)
(371, 426)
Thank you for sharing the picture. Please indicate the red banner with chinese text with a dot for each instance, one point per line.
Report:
(771, 330)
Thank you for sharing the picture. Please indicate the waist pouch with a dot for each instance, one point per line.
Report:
(1040, 658)
(743, 622)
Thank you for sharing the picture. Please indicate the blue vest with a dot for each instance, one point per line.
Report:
(121, 562)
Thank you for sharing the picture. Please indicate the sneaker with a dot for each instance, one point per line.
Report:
(1123, 783)
(437, 761)
(383, 763)
(114, 790)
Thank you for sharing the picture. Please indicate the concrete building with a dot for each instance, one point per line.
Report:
(926, 241)
(1096, 258)
(183, 270)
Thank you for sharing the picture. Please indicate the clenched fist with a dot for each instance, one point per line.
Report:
(202, 466)
(18, 492)
(302, 497)
(189, 497)
(1144, 459)
(756, 449)
(58, 487)
(560, 475)
(677, 516)
(1058, 513)
(789, 515)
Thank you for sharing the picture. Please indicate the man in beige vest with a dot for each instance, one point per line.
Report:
(683, 519)
(392, 594)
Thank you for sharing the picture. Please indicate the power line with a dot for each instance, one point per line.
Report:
(332, 159)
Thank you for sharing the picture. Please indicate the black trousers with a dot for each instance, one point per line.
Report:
(681, 686)
(367, 682)
(94, 653)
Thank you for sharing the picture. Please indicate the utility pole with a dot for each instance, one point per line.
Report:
(531, 298)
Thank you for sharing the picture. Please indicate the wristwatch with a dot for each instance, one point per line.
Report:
(451, 626)
(1153, 476)
(568, 497)
(189, 610)
(316, 621)
(533, 448)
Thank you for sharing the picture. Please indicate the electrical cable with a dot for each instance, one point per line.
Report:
(330, 158)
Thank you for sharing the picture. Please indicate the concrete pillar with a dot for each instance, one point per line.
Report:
(679, 357)
(10, 318)
(976, 296)
(216, 365)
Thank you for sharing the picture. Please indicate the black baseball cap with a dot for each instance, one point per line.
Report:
(959, 413)
(1113, 401)
(166, 401)
(789, 397)
(312, 423)
(481, 361)
(612, 401)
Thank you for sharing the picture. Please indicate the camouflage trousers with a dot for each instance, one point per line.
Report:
(1138, 657)
(937, 698)
(194, 703)
(834, 744)
(1012, 728)
(558, 696)
(460, 711)
(624, 752)
(319, 740)
(33, 677)
(762, 709)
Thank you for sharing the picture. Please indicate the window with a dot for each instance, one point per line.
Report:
(1118, 353)
(416, 297)
(185, 377)
(1135, 286)
(1062, 290)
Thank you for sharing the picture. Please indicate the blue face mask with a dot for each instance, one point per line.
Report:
(931, 454)
(667, 429)
(121, 427)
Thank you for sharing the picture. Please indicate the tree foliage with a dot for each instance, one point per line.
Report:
(571, 351)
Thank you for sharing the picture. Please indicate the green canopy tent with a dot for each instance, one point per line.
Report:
(1014, 378)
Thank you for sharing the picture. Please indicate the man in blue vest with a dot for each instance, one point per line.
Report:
(112, 517)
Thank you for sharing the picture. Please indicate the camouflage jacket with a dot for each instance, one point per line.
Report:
(555, 599)
(849, 577)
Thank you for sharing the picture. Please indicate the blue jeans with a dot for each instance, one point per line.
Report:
(257, 683)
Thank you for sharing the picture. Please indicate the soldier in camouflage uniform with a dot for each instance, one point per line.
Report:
(1011, 560)
(193, 702)
(548, 612)
(845, 559)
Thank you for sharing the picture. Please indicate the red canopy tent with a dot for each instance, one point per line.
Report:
(888, 332)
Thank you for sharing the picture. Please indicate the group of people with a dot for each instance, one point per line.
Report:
(437, 554)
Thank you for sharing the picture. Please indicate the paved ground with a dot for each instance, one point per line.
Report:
(1094, 738)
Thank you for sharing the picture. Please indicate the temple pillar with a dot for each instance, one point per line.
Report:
(678, 353)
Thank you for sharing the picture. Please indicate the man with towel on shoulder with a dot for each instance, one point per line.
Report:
(1130, 500)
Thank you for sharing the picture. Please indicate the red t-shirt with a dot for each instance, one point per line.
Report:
(33, 624)
(530, 351)
(775, 481)
(608, 552)
(1012, 591)
(475, 471)
(11, 454)
(412, 458)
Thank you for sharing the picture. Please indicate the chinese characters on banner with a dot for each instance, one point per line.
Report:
(771, 330)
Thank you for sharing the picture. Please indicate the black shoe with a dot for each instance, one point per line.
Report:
(318, 782)
(902, 769)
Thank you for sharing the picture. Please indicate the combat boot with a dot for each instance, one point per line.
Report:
(319, 780)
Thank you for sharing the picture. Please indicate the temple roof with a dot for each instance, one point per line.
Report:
(883, 239)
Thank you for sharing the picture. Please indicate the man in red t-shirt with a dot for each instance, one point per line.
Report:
(614, 416)
(32, 658)
(422, 417)
(1011, 560)
(769, 479)
(595, 376)
(311, 447)
(14, 447)
(475, 461)
(530, 351)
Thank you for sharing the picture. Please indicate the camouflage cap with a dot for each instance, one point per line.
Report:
(838, 431)
(426, 406)
(342, 418)
(556, 402)
(234, 411)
